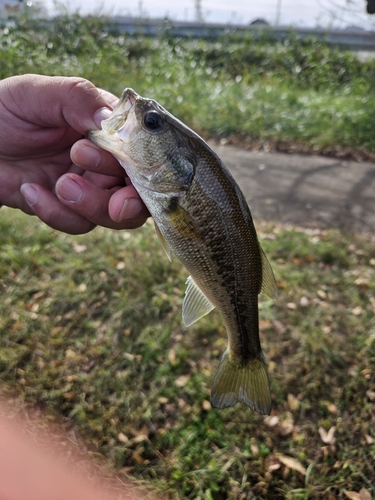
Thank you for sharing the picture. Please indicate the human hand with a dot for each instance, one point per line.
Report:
(48, 170)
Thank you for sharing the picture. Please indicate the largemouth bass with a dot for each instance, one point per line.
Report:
(201, 216)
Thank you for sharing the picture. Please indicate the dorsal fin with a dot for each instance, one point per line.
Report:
(269, 286)
(195, 304)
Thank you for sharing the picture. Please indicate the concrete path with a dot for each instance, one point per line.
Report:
(309, 191)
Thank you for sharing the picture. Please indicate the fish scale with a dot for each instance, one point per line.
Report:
(202, 217)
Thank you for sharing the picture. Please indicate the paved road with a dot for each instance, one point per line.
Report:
(309, 191)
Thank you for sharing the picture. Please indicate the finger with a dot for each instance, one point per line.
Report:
(93, 202)
(88, 156)
(56, 101)
(50, 210)
(123, 206)
(104, 181)
(111, 99)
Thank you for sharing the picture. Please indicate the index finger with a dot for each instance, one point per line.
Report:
(88, 156)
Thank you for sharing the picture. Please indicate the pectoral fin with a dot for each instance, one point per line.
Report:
(269, 286)
(195, 304)
(164, 244)
(181, 220)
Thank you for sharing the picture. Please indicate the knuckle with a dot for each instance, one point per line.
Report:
(78, 87)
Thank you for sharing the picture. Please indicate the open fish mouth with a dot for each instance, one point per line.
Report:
(114, 130)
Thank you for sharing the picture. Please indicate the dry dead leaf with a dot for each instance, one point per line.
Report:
(365, 494)
(362, 282)
(293, 402)
(138, 458)
(367, 374)
(123, 438)
(286, 425)
(140, 438)
(254, 449)
(69, 395)
(332, 408)
(292, 463)
(172, 357)
(369, 439)
(357, 311)
(274, 467)
(271, 421)
(264, 324)
(352, 495)
(206, 405)
(327, 437)
(78, 248)
(182, 380)
(272, 463)
(132, 357)
(304, 301)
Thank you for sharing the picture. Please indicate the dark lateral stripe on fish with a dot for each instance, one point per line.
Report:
(173, 204)
(242, 300)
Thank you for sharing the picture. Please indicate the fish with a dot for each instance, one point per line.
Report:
(202, 217)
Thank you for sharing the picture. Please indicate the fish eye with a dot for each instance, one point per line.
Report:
(153, 120)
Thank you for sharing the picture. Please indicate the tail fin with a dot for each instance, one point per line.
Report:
(248, 383)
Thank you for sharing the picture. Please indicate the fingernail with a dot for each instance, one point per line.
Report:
(100, 115)
(29, 193)
(92, 157)
(131, 208)
(69, 190)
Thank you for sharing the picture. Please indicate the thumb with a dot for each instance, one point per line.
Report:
(56, 101)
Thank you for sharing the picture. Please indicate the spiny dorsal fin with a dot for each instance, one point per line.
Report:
(164, 244)
(195, 304)
(269, 286)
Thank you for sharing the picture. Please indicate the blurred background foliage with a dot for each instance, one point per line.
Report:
(295, 91)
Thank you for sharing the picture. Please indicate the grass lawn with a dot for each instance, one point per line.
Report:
(91, 331)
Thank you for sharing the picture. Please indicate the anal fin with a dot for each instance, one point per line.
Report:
(269, 286)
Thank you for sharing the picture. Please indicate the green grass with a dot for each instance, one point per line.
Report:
(291, 92)
(91, 330)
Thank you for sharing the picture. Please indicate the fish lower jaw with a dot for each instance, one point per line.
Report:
(112, 145)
